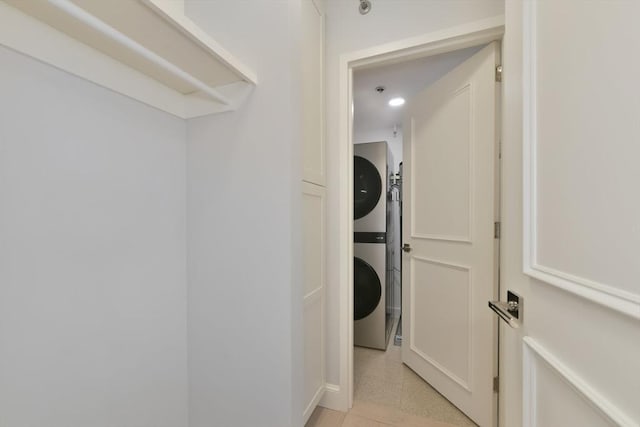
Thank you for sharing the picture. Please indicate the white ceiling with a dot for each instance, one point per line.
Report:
(371, 109)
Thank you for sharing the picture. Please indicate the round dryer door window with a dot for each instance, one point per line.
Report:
(367, 289)
(367, 187)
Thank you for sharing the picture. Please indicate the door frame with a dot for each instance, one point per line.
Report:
(443, 41)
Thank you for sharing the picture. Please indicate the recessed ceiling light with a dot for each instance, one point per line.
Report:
(396, 102)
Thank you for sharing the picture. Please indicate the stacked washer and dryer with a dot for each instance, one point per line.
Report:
(371, 281)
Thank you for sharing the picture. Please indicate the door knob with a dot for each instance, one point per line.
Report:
(510, 311)
(406, 247)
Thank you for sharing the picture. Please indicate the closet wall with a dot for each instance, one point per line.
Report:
(92, 254)
(245, 228)
(95, 321)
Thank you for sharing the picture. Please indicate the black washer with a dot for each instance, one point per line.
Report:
(367, 187)
(367, 289)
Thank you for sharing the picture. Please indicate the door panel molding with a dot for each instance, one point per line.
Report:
(314, 289)
(468, 238)
(465, 384)
(605, 294)
(444, 371)
(537, 358)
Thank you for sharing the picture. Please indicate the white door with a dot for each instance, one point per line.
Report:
(571, 213)
(449, 275)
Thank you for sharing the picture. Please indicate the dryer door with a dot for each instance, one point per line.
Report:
(367, 187)
(367, 289)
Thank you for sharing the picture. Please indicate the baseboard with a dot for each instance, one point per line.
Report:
(334, 398)
(314, 402)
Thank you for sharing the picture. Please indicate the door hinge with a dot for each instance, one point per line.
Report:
(496, 230)
(496, 384)
(498, 73)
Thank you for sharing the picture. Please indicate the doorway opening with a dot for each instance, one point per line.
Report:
(362, 72)
(381, 96)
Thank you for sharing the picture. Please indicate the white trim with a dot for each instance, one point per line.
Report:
(442, 41)
(444, 371)
(317, 296)
(471, 196)
(334, 398)
(314, 295)
(534, 352)
(455, 38)
(609, 296)
(529, 387)
(465, 384)
(528, 127)
(350, 197)
(442, 238)
(317, 397)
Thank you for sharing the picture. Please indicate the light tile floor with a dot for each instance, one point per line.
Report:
(387, 393)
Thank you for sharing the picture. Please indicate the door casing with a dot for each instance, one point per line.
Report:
(448, 40)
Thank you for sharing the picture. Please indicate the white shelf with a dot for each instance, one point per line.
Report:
(145, 49)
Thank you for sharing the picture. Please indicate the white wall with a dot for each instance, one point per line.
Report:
(244, 172)
(348, 31)
(92, 255)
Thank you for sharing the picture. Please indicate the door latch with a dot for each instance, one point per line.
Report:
(406, 247)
